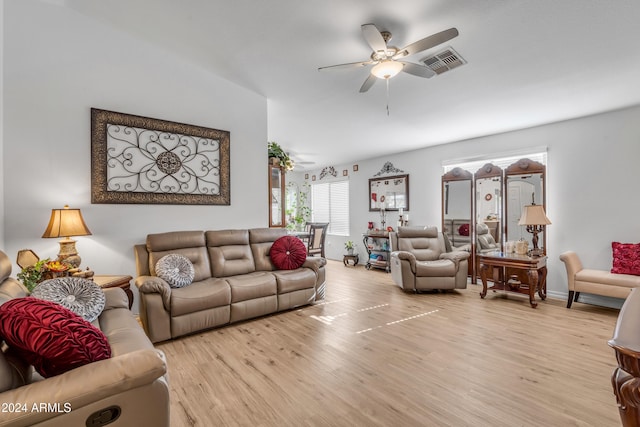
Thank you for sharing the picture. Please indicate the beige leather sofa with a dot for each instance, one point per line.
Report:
(597, 282)
(131, 385)
(419, 260)
(234, 280)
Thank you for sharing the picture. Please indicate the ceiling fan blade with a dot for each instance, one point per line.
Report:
(427, 43)
(368, 83)
(374, 38)
(348, 65)
(417, 70)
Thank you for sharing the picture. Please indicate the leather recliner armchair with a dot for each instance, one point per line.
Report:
(420, 261)
(486, 242)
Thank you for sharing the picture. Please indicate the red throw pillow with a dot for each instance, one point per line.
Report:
(463, 230)
(288, 253)
(49, 336)
(626, 258)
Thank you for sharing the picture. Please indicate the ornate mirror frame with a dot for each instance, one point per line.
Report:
(453, 182)
(532, 174)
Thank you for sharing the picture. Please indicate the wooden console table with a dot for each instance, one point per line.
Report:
(535, 267)
(123, 282)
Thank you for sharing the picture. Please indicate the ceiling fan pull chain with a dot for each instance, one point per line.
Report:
(387, 96)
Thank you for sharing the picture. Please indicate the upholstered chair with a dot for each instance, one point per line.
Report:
(420, 261)
(317, 235)
(485, 241)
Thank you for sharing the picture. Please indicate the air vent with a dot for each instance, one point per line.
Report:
(443, 61)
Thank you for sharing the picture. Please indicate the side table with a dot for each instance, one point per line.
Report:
(353, 258)
(123, 282)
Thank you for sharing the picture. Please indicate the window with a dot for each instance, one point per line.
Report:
(330, 203)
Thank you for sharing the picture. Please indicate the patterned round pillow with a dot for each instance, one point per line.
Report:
(50, 337)
(79, 295)
(288, 253)
(463, 230)
(176, 270)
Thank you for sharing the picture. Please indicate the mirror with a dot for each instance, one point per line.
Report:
(390, 193)
(524, 186)
(488, 208)
(456, 209)
(276, 196)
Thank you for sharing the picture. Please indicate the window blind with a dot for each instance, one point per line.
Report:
(330, 203)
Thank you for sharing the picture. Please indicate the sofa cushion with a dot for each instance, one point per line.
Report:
(605, 277)
(79, 295)
(251, 286)
(423, 248)
(230, 252)
(626, 258)
(198, 296)
(176, 270)
(261, 240)
(50, 337)
(197, 255)
(437, 268)
(288, 253)
(294, 280)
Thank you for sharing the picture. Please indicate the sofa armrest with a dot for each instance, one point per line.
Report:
(314, 263)
(115, 298)
(573, 265)
(83, 386)
(406, 256)
(455, 255)
(155, 285)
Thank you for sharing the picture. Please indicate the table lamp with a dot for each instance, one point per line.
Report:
(535, 219)
(66, 223)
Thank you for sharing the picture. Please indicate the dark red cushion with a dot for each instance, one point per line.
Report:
(463, 230)
(288, 253)
(626, 258)
(49, 336)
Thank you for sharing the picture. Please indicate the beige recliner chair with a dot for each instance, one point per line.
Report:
(486, 242)
(419, 260)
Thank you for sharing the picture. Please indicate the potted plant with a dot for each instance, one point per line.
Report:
(298, 211)
(349, 246)
(278, 155)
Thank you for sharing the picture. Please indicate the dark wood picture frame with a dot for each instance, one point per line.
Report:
(399, 199)
(142, 160)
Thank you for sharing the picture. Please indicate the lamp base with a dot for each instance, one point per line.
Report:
(68, 252)
(536, 252)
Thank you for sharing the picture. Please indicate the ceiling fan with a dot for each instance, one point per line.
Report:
(386, 60)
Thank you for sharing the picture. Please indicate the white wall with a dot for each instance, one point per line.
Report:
(592, 178)
(59, 64)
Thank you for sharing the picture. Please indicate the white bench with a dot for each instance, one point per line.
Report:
(597, 282)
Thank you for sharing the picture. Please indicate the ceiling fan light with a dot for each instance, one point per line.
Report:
(386, 69)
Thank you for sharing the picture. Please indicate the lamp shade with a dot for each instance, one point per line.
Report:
(66, 223)
(386, 69)
(533, 215)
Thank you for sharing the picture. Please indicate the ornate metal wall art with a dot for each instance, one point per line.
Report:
(329, 170)
(388, 168)
(137, 159)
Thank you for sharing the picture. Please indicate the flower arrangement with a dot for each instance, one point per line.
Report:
(43, 269)
(276, 152)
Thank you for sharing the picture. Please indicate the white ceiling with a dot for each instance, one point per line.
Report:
(529, 63)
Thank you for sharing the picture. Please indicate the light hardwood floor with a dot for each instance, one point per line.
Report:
(372, 355)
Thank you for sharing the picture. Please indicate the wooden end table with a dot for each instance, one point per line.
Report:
(113, 281)
(355, 258)
(535, 267)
